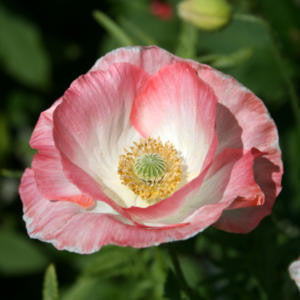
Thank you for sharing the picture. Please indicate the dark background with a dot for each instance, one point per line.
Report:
(45, 45)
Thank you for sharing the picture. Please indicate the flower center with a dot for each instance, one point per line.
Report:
(151, 169)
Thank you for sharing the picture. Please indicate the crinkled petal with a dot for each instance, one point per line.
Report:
(47, 165)
(67, 226)
(258, 130)
(243, 220)
(229, 178)
(169, 206)
(50, 220)
(42, 138)
(237, 106)
(53, 183)
(92, 127)
(151, 59)
(242, 123)
(177, 106)
(208, 194)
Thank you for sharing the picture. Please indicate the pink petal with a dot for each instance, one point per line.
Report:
(230, 177)
(52, 181)
(47, 165)
(237, 107)
(242, 122)
(170, 205)
(150, 59)
(92, 127)
(80, 199)
(50, 221)
(228, 129)
(243, 220)
(242, 186)
(178, 107)
(211, 192)
(42, 139)
(67, 226)
(257, 128)
(251, 127)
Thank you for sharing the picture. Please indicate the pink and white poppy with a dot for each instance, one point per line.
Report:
(148, 148)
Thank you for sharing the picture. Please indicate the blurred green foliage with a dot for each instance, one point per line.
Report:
(21, 52)
(18, 255)
(44, 46)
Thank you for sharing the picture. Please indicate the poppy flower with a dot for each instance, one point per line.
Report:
(148, 148)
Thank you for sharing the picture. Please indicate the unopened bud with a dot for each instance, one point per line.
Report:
(205, 14)
(162, 10)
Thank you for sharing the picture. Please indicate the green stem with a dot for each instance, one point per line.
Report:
(113, 28)
(180, 276)
(139, 33)
(187, 41)
(11, 173)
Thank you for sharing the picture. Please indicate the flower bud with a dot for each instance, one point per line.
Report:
(205, 14)
(162, 10)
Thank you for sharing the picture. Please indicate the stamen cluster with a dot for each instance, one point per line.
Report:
(151, 169)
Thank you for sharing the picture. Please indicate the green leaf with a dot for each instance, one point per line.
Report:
(111, 261)
(113, 28)
(50, 288)
(138, 12)
(140, 271)
(86, 288)
(21, 51)
(19, 255)
(229, 60)
(245, 50)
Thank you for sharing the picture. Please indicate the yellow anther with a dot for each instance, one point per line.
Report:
(151, 169)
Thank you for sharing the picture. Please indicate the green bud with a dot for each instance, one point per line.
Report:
(205, 14)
